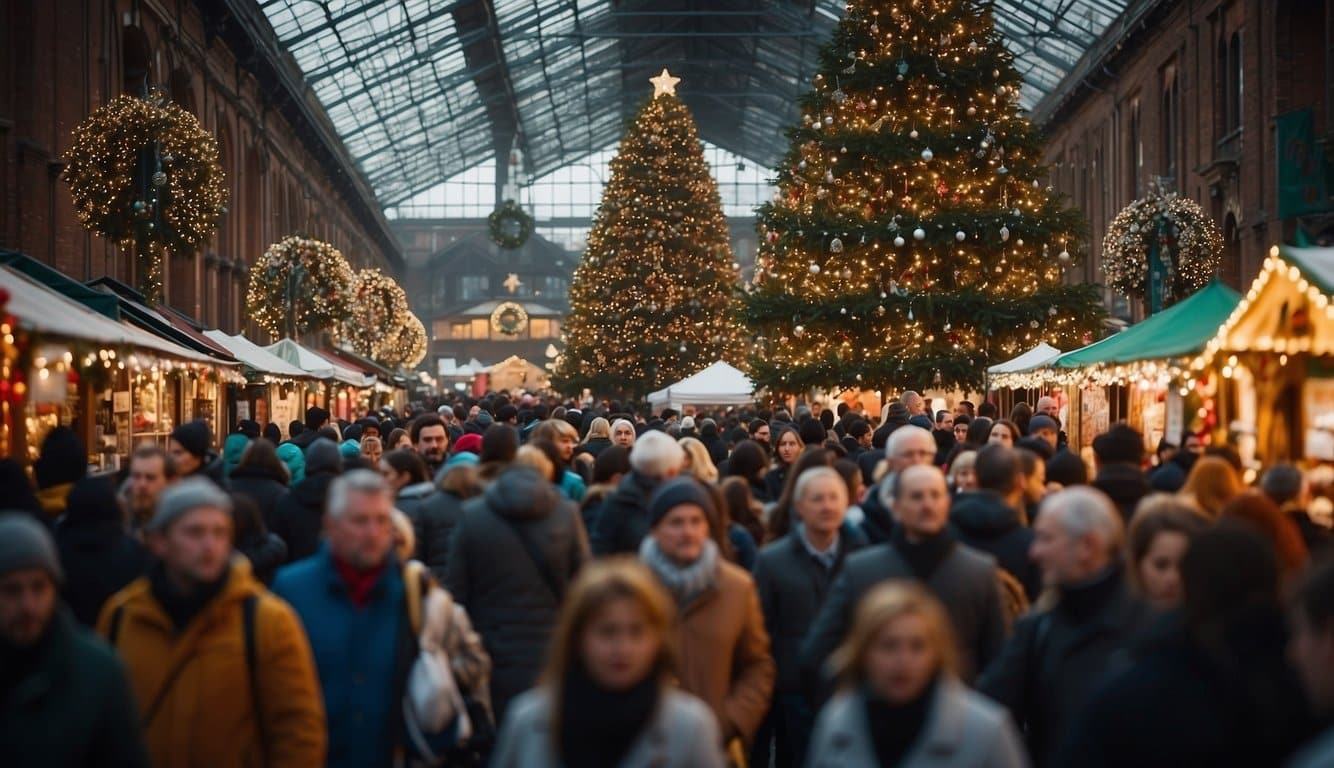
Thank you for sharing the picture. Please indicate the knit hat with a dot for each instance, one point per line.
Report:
(470, 443)
(62, 460)
(189, 494)
(249, 428)
(1042, 421)
(92, 500)
(323, 455)
(291, 455)
(25, 544)
(674, 493)
(272, 433)
(1119, 445)
(194, 437)
(349, 449)
(352, 432)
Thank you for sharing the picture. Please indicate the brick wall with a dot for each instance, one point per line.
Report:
(60, 59)
(1114, 131)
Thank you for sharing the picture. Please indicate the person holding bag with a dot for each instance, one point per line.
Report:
(403, 676)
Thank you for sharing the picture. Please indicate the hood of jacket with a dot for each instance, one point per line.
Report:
(256, 472)
(983, 513)
(520, 493)
(1122, 482)
(232, 448)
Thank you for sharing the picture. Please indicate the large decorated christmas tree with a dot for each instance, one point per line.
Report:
(654, 298)
(913, 241)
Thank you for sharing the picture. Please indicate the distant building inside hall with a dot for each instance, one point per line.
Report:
(483, 302)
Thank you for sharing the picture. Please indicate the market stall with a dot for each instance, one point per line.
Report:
(271, 385)
(1143, 374)
(66, 363)
(719, 384)
(1020, 377)
(338, 379)
(1275, 355)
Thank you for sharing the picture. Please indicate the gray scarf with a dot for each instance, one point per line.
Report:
(685, 583)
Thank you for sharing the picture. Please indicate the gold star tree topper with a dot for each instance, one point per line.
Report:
(664, 84)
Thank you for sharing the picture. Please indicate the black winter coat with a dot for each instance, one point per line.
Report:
(300, 516)
(266, 553)
(717, 448)
(623, 522)
(263, 488)
(99, 559)
(878, 523)
(594, 447)
(437, 517)
(1232, 704)
(69, 705)
(868, 461)
(1056, 659)
(965, 582)
(1125, 485)
(792, 586)
(512, 601)
(983, 521)
(774, 482)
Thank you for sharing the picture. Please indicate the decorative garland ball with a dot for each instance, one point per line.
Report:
(309, 276)
(510, 225)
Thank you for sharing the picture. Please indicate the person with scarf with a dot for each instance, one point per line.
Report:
(1051, 668)
(606, 698)
(900, 701)
(921, 549)
(719, 630)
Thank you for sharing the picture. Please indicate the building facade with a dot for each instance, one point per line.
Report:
(287, 172)
(1224, 101)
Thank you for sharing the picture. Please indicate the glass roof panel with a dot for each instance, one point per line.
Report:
(414, 87)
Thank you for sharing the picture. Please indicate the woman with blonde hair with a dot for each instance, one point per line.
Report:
(1211, 484)
(699, 464)
(606, 697)
(900, 701)
(598, 438)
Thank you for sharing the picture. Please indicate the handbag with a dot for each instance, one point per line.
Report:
(431, 698)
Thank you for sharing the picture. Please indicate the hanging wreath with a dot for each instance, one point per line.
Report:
(379, 310)
(510, 224)
(299, 286)
(408, 348)
(145, 174)
(1173, 230)
(509, 318)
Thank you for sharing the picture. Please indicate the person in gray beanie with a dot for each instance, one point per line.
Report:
(64, 700)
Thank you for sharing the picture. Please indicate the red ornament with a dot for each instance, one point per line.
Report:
(772, 237)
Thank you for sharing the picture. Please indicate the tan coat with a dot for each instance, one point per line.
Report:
(207, 713)
(724, 654)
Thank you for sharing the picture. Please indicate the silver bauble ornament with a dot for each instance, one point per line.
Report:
(919, 234)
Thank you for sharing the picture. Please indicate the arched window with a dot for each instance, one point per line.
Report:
(182, 89)
(136, 61)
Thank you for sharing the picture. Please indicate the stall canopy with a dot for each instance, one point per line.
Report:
(318, 365)
(1287, 309)
(719, 384)
(1036, 357)
(255, 357)
(43, 310)
(1178, 331)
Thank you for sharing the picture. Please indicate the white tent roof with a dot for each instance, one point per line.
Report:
(255, 356)
(719, 384)
(41, 309)
(1036, 357)
(318, 365)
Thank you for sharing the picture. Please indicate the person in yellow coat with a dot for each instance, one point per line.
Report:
(221, 669)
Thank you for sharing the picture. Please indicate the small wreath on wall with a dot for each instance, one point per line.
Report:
(509, 319)
(510, 225)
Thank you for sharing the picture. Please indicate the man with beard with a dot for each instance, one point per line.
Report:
(430, 439)
(151, 470)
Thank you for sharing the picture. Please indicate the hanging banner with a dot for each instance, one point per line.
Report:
(1301, 166)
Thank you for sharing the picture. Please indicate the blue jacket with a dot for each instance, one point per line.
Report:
(359, 654)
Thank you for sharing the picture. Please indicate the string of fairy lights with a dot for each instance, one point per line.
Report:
(1186, 238)
(912, 240)
(653, 299)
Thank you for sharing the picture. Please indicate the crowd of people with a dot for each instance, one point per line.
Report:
(517, 582)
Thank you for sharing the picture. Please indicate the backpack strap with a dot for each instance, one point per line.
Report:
(113, 631)
(415, 589)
